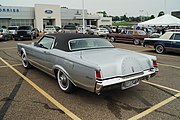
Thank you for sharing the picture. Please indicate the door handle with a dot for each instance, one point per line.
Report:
(46, 52)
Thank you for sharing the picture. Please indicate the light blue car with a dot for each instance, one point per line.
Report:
(86, 61)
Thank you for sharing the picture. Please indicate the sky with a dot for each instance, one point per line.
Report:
(112, 7)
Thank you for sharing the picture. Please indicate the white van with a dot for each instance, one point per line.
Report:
(13, 30)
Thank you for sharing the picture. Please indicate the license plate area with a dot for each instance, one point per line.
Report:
(130, 83)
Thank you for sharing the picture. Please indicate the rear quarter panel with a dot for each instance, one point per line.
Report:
(81, 72)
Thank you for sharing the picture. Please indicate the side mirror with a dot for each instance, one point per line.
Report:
(35, 43)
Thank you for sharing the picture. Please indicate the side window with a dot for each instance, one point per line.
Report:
(172, 37)
(177, 37)
(130, 32)
(46, 42)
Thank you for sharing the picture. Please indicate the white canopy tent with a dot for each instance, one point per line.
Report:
(165, 20)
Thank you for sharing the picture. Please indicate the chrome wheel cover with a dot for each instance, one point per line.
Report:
(159, 49)
(111, 39)
(63, 81)
(136, 42)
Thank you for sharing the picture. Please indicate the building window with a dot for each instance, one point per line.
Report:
(105, 20)
(19, 22)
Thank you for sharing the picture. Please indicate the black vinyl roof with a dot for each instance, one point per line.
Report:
(62, 39)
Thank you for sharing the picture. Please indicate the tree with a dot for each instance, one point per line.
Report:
(161, 13)
(125, 18)
(104, 13)
(152, 17)
(115, 18)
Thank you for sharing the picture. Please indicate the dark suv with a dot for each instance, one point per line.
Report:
(25, 32)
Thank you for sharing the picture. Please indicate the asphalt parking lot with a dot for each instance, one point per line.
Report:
(31, 94)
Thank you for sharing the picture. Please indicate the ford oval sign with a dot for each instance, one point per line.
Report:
(48, 11)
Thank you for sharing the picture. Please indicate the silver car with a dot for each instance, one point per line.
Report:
(86, 61)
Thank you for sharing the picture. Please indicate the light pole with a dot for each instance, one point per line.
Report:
(83, 15)
(165, 7)
(141, 14)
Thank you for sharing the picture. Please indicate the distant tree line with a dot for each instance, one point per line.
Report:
(131, 19)
(127, 19)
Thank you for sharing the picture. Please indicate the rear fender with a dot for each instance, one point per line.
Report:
(58, 67)
(158, 43)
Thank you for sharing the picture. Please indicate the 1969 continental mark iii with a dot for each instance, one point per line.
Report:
(86, 61)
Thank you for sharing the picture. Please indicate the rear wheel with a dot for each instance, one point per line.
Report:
(112, 39)
(64, 82)
(159, 49)
(136, 42)
(5, 38)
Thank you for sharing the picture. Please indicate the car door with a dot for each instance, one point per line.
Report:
(176, 42)
(41, 51)
(129, 35)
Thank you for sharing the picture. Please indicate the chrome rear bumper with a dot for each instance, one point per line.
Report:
(113, 81)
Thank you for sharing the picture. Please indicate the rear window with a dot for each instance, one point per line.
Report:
(102, 29)
(140, 32)
(70, 27)
(130, 32)
(49, 27)
(12, 28)
(24, 28)
(89, 43)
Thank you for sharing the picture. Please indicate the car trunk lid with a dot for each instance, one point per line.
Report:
(117, 62)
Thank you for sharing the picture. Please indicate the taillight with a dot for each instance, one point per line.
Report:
(0, 33)
(98, 74)
(155, 64)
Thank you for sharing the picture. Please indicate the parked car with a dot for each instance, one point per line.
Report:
(87, 61)
(169, 41)
(69, 29)
(91, 28)
(135, 36)
(155, 35)
(49, 29)
(36, 32)
(101, 31)
(108, 28)
(113, 28)
(25, 32)
(80, 30)
(5, 34)
(57, 28)
(87, 31)
(13, 30)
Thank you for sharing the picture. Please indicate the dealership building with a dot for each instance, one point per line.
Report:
(43, 14)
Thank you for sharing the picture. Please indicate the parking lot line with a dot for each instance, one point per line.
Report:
(14, 65)
(46, 95)
(161, 86)
(169, 65)
(164, 55)
(8, 48)
(155, 107)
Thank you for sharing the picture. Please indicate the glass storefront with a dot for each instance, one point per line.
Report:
(18, 22)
